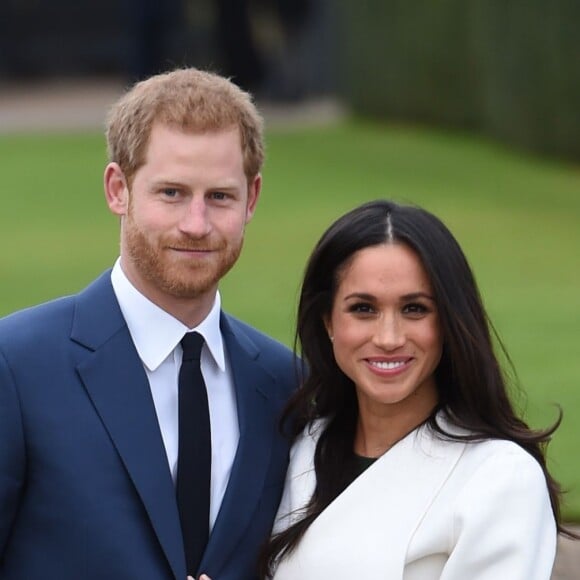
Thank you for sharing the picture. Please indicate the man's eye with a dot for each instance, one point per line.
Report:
(219, 195)
(170, 192)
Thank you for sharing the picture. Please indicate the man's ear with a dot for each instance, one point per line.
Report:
(254, 188)
(116, 189)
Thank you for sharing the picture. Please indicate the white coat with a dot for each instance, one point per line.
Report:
(427, 509)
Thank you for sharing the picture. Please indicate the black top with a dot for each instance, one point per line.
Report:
(360, 464)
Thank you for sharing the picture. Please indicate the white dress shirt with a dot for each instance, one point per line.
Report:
(157, 336)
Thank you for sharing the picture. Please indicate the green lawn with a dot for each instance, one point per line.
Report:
(517, 217)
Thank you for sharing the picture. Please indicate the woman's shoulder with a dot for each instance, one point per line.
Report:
(496, 454)
(312, 432)
(488, 454)
(304, 448)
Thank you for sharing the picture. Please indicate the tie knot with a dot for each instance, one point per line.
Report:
(192, 343)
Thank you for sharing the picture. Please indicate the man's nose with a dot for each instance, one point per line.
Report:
(195, 220)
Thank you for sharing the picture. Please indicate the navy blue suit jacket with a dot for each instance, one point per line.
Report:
(85, 487)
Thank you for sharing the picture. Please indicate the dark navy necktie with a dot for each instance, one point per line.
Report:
(194, 455)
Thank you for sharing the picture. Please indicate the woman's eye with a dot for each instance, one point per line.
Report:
(361, 308)
(415, 308)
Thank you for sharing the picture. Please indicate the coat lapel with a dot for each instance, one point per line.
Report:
(379, 511)
(252, 385)
(115, 380)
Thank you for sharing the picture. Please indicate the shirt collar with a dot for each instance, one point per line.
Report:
(155, 332)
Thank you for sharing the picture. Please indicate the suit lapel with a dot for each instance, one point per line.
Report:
(245, 486)
(115, 380)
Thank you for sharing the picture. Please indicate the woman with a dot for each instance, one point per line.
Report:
(409, 460)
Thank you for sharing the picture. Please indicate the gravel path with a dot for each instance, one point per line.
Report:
(82, 105)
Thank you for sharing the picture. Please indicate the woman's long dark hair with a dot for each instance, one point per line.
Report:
(472, 387)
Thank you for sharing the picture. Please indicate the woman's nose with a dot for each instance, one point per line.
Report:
(389, 334)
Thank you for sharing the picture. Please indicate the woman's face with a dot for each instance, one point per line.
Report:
(385, 330)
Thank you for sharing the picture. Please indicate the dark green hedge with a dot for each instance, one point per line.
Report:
(510, 68)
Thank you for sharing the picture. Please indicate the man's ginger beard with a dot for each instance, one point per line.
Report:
(174, 274)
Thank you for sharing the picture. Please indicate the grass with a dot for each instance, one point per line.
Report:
(517, 218)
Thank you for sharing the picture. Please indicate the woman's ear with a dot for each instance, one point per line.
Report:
(116, 189)
(328, 325)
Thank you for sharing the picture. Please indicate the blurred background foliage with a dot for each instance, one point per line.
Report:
(508, 69)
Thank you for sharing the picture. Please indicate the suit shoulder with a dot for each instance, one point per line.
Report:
(265, 343)
(36, 320)
(52, 319)
(276, 358)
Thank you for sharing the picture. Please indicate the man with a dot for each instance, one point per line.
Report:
(90, 385)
